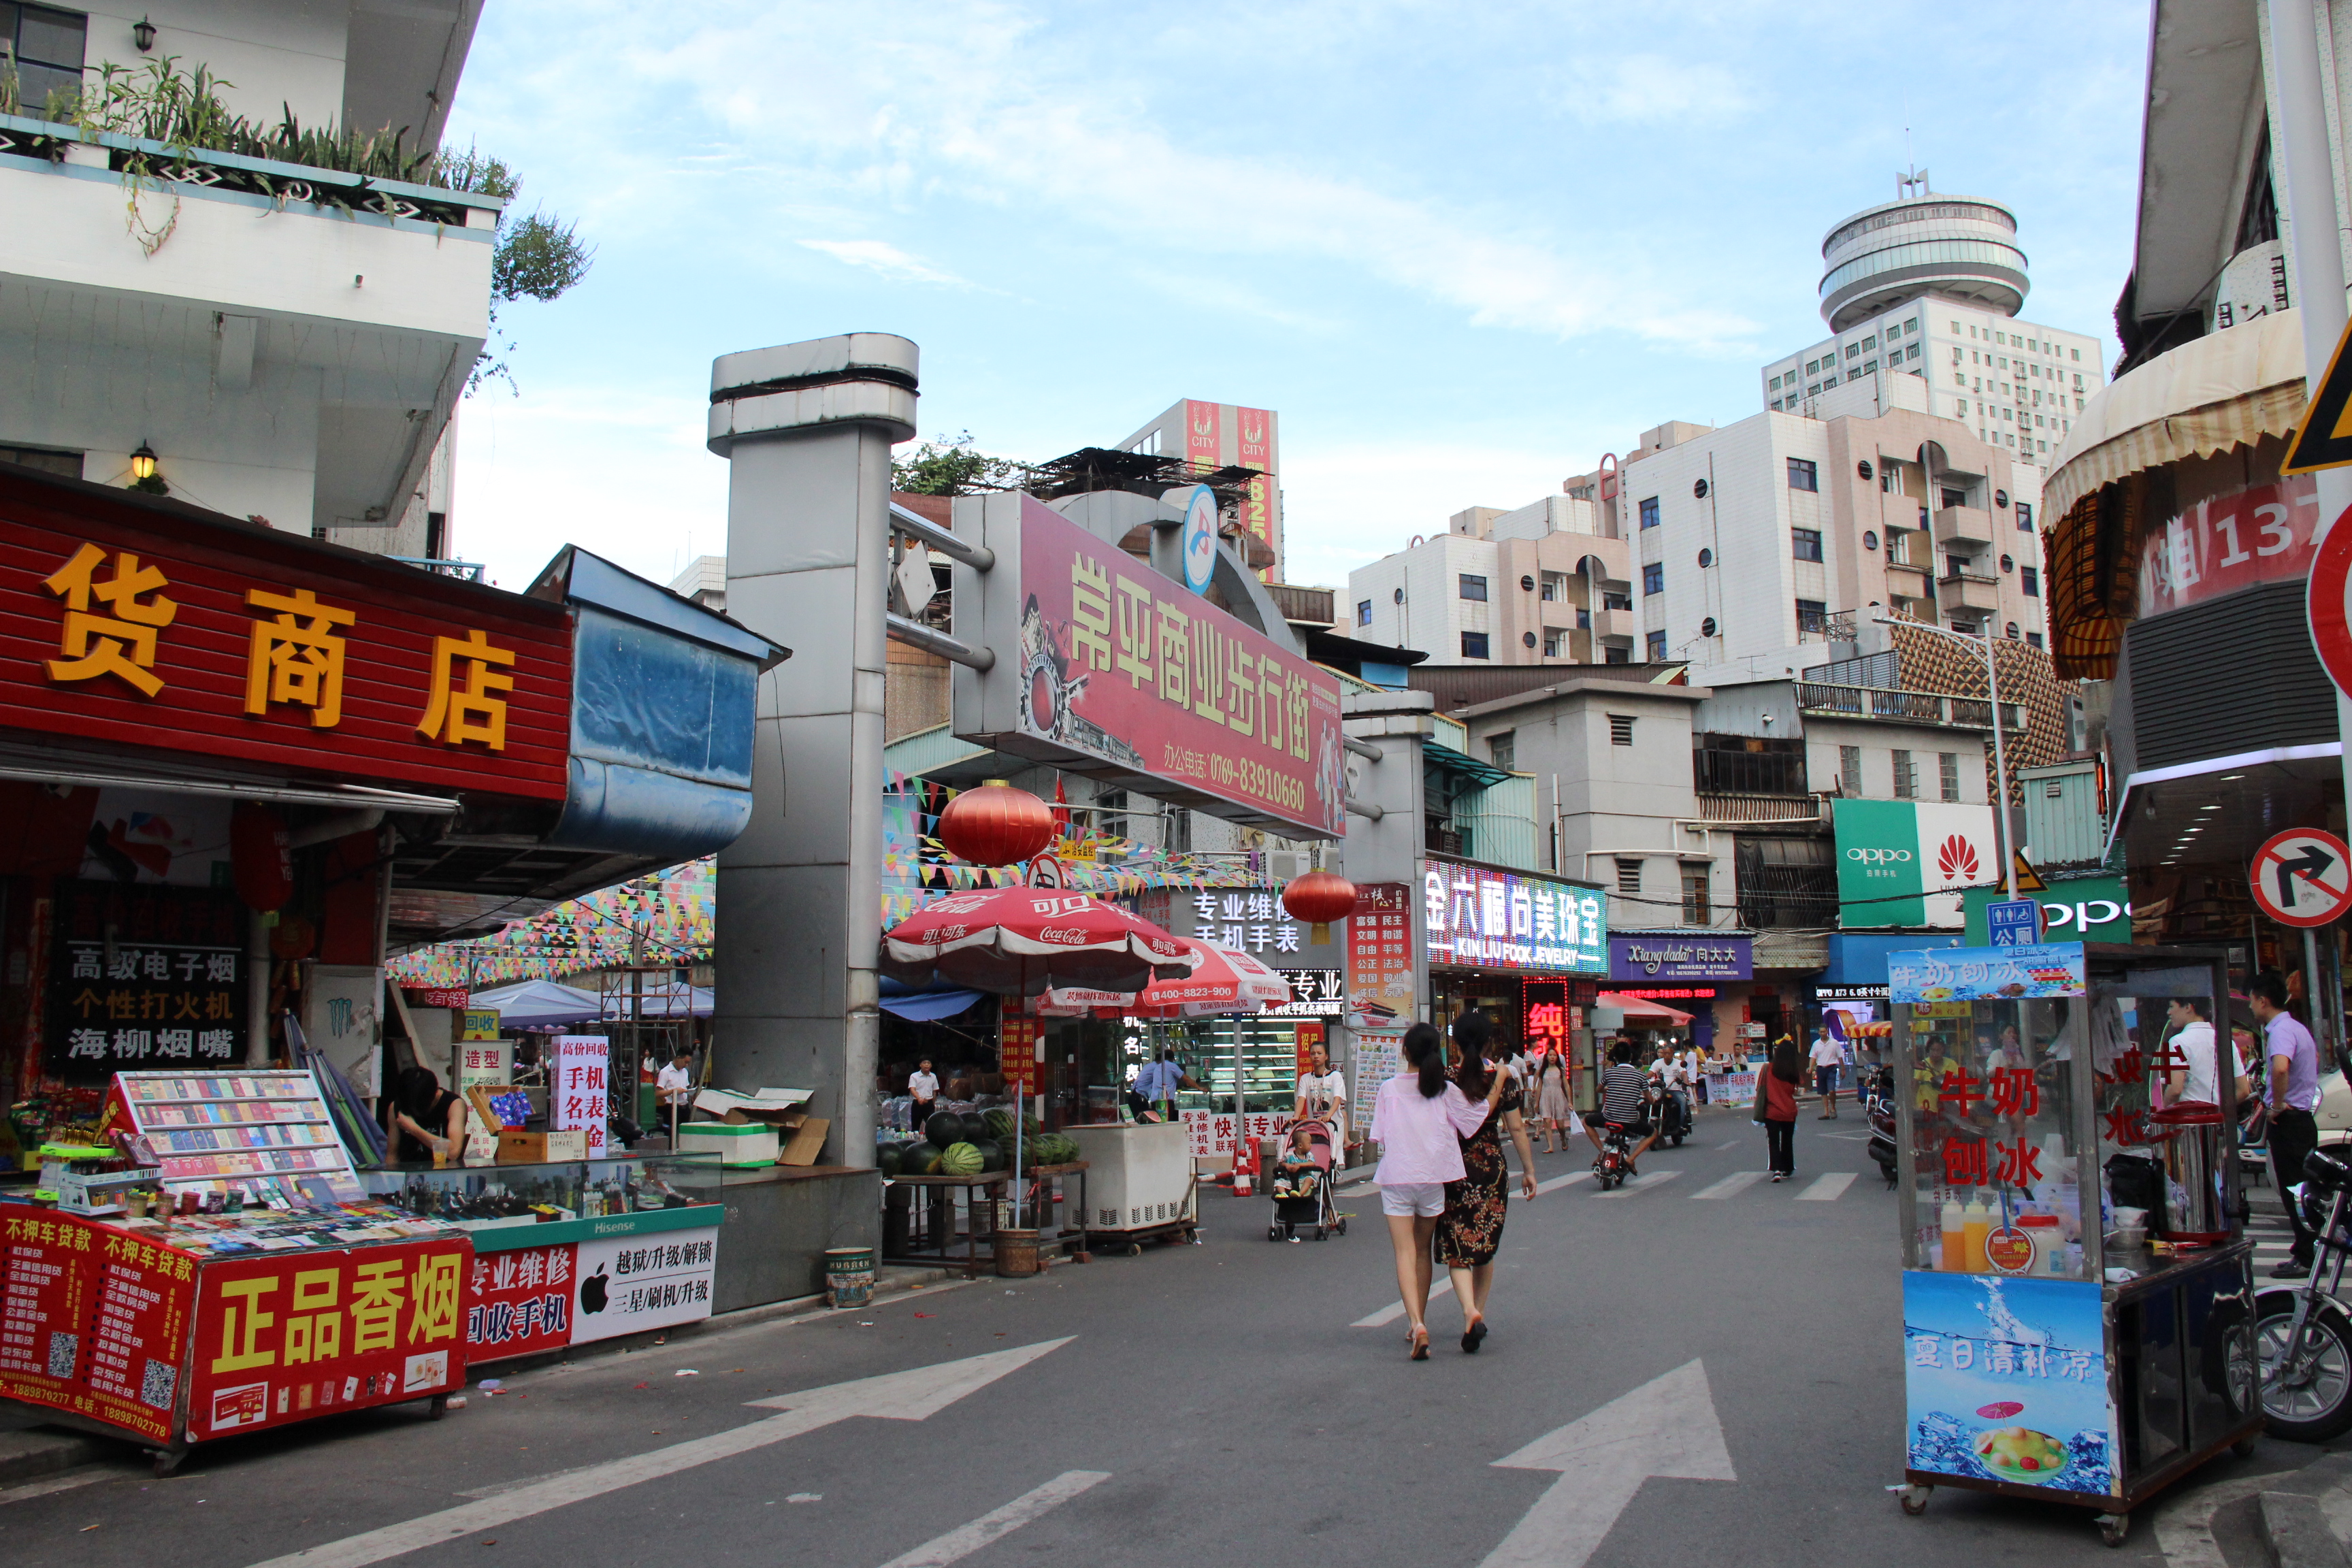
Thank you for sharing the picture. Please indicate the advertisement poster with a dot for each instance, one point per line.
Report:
(577, 1097)
(144, 976)
(284, 1337)
(1119, 664)
(1256, 429)
(1018, 1037)
(1976, 974)
(145, 1296)
(45, 1303)
(1380, 960)
(1731, 1089)
(519, 1302)
(2006, 1380)
(1681, 957)
(1902, 862)
(630, 1282)
(1485, 918)
(1211, 1133)
(2259, 535)
(2093, 909)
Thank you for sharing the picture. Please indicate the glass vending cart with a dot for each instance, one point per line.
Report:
(2077, 1289)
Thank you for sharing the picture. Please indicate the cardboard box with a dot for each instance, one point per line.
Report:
(741, 1146)
(807, 1142)
(516, 1147)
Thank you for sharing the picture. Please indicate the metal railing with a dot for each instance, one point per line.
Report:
(1904, 707)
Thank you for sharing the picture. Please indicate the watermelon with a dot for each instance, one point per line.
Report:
(944, 1128)
(887, 1157)
(993, 1157)
(999, 1125)
(921, 1160)
(961, 1160)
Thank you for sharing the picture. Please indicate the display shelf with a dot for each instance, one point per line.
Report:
(266, 1137)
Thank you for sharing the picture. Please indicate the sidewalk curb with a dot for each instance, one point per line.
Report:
(2294, 1533)
(35, 1451)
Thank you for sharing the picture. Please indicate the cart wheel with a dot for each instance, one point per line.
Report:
(440, 1406)
(1134, 1249)
(168, 1461)
(2114, 1527)
(1915, 1500)
(1318, 1233)
(1343, 1227)
(1274, 1233)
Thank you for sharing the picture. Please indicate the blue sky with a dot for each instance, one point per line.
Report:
(1462, 249)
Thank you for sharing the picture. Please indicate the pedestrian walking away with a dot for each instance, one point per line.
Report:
(1470, 1231)
(1828, 1056)
(1776, 1107)
(1620, 1100)
(2291, 1089)
(1419, 1121)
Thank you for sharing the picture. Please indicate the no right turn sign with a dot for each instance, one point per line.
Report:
(2303, 878)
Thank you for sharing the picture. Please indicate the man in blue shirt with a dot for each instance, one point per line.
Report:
(2290, 1078)
(1158, 1081)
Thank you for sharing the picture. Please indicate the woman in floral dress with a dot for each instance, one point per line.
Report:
(1471, 1229)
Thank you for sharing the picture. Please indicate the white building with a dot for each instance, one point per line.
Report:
(1929, 286)
(288, 342)
(1543, 584)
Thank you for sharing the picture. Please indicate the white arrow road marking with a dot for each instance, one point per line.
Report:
(1395, 1310)
(1738, 1182)
(1827, 1189)
(1643, 1182)
(961, 1543)
(1666, 1427)
(908, 1395)
(1556, 1182)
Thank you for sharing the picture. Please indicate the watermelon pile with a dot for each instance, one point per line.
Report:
(961, 1160)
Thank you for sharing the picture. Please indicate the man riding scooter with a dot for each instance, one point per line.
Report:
(1622, 1084)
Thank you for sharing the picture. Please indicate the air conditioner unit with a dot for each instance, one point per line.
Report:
(1282, 865)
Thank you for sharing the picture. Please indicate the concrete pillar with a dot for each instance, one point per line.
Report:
(1389, 850)
(807, 429)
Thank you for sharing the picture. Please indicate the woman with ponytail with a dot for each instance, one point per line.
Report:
(1419, 1122)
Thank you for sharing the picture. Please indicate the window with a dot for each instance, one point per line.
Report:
(1852, 350)
(1474, 645)
(1911, 350)
(2028, 582)
(1654, 578)
(1803, 475)
(2078, 354)
(2033, 639)
(1956, 498)
(1906, 777)
(1948, 773)
(1363, 612)
(1649, 512)
(1748, 764)
(1629, 875)
(1551, 588)
(1504, 750)
(1785, 881)
(1471, 587)
(1612, 601)
(1698, 903)
(1812, 617)
(47, 46)
(1805, 544)
(1616, 655)
(1775, 387)
(1849, 770)
(1957, 565)
(1551, 645)
(2025, 517)
(1869, 342)
(1812, 366)
(1655, 644)
(1621, 728)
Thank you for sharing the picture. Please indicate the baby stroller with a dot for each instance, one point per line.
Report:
(1309, 1201)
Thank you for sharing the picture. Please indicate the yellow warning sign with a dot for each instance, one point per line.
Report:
(2323, 437)
(2029, 881)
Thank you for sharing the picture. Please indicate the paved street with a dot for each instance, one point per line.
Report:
(1208, 1404)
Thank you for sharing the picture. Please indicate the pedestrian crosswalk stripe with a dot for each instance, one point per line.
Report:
(1738, 1182)
(1827, 1189)
(1556, 1182)
(1643, 1182)
(1395, 1310)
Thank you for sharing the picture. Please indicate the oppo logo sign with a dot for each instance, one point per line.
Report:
(1868, 857)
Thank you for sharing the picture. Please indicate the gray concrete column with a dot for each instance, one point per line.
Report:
(1389, 850)
(807, 430)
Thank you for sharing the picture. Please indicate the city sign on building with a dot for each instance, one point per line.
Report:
(1656, 956)
(1902, 863)
(1478, 917)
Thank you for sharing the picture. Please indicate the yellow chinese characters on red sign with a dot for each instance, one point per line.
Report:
(296, 657)
(118, 639)
(459, 710)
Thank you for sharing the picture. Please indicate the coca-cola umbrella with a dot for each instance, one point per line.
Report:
(1225, 980)
(1023, 942)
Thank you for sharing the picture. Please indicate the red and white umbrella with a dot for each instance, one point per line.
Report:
(1021, 941)
(1225, 980)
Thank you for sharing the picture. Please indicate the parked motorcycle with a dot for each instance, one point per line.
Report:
(2303, 1335)
(1615, 1162)
(1878, 1103)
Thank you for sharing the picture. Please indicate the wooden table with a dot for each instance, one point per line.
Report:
(990, 1184)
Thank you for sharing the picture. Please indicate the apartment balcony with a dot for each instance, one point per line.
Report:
(1968, 591)
(1609, 626)
(1792, 809)
(1963, 526)
(289, 340)
(1904, 707)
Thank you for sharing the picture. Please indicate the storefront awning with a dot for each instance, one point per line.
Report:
(2229, 388)
(929, 1006)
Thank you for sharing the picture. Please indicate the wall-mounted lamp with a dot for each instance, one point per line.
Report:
(142, 33)
(143, 472)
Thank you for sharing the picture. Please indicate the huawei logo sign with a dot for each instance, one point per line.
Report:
(1956, 858)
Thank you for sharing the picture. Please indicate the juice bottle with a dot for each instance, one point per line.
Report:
(1955, 1260)
(1976, 1226)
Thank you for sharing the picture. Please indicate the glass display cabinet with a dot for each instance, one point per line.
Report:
(2077, 1290)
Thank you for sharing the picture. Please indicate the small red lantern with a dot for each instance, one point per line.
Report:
(995, 824)
(1320, 897)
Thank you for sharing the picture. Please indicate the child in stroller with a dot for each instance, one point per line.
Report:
(1301, 1186)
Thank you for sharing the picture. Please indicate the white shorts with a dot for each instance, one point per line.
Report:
(1418, 1200)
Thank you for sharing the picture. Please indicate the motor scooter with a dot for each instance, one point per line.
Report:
(1615, 1161)
(1878, 1100)
(1664, 1110)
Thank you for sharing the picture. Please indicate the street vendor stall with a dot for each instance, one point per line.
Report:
(2076, 1287)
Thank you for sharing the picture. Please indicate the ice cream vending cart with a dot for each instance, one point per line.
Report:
(2078, 1288)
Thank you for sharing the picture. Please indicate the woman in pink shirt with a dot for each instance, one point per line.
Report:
(1419, 1122)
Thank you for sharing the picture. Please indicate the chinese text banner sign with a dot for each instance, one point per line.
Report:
(578, 1097)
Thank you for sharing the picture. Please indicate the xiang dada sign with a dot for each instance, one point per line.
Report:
(1483, 919)
(1106, 667)
(1681, 957)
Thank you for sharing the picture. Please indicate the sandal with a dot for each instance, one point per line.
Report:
(1473, 1336)
(1419, 1341)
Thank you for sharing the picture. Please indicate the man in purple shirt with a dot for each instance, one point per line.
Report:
(2290, 1079)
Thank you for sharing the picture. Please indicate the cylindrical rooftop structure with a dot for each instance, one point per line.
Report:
(1961, 247)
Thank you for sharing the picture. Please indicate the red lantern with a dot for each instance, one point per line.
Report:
(1320, 897)
(995, 824)
(261, 861)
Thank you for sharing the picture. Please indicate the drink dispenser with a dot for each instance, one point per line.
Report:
(2187, 1139)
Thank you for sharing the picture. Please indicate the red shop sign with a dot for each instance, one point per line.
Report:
(152, 624)
(519, 1302)
(2219, 546)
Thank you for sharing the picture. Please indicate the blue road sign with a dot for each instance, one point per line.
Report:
(2017, 923)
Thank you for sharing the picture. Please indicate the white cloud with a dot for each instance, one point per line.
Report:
(883, 259)
(1643, 88)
